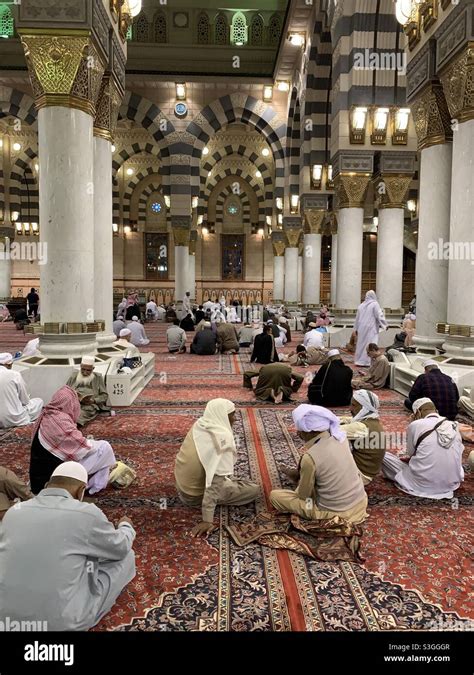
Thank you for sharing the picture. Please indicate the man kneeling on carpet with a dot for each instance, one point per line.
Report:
(57, 439)
(61, 561)
(329, 483)
(205, 463)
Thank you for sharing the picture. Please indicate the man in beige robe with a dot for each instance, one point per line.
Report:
(90, 388)
(227, 338)
(379, 370)
(276, 382)
(466, 404)
(11, 490)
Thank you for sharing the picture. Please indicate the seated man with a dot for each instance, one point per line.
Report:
(264, 347)
(436, 386)
(329, 483)
(161, 312)
(331, 385)
(151, 310)
(170, 314)
(365, 432)
(90, 388)
(227, 338)
(200, 314)
(16, 407)
(466, 404)
(313, 338)
(435, 448)
(176, 338)
(187, 323)
(117, 326)
(124, 342)
(61, 560)
(298, 357)
(204, 468)
(57, 439)
(376, 376)
(11, 490)
(276, 382)
(205, 341)
(138, 336)
(286, 326)
(246, 335)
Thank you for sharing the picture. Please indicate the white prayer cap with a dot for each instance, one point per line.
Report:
(421, 402)
(71, 470)
(333, 352)
(207, 324)
(134, 318)
(429, 362)
(313, 325)
(87, 361)
(6, 358)
(124, 332)
(282, 319)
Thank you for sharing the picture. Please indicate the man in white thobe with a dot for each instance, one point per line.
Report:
(124, 342)
(369, 321)
(435, 448)
(152, 310)
(61, 561)
(138, 336)
(16, 407)
(466, 404)
(313, 338)
(187, 305)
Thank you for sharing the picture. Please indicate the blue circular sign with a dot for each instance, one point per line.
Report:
(181, 110)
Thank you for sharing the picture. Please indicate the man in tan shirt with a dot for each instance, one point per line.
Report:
(11, 490)
(329, 483)
(379, 370)
(227, 338)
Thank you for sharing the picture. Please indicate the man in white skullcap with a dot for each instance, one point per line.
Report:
(61, 561)
(438, 387)
(124, 343)
(91, 391)
(466, 404)
(434, 448)
(16, 407)
(138, 336)
(366, 434)
(314, 337)
(329, 483)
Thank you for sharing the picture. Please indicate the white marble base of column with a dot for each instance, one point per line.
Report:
(428, 344)
(105, 340)
(460, 348)
(62, 346)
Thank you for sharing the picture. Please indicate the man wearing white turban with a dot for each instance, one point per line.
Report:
(16, 407)
(124, 343)
(369, 321)
(204, 468)
(61, 561)
(434, 448)
(90, 389)
(329, 483)
(365, 432)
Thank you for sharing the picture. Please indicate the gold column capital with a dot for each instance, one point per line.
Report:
(292, 237)
(107, 108)
(181, 236)
(314, 221)
(65, 70)
(431, 117)
(351, 189)
(391, 190)
(457, 81)
(278, 248)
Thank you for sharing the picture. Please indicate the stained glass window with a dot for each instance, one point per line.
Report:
(6, 22)
(156, 256)
(233, 247)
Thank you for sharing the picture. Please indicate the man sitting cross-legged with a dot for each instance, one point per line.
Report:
(329, 483)
(90, 389)
(276, 382)
(17, 409)
(204, 468)
(377, 374)
(61, 561)
(11, 490)
(435, 448)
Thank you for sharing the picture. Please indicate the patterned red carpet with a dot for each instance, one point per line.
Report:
(417, 568)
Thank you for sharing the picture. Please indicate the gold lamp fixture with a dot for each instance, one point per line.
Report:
(357, 124)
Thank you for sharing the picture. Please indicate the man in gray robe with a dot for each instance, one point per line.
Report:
(90, 388)
(61, 561)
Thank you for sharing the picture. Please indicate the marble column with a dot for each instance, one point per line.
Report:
(278, 266)
(351, 191)
(333, 268)
(434, 135)
(104, 126)
(392, 191)
(312, 258)
(66, 92)
(293, 232)
(192, 275)
(181, 235)
(5, 268)
(300, 276)
(460, 311)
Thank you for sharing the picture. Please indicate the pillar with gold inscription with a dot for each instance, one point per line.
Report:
(181, 235)
(433, 127)
(66, 74)
(110, 97)
(279, 245)
(312, 257)
(391, 189)
(457, 80)
(292, 229)
(351, 191)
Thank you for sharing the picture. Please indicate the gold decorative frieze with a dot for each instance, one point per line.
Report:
(351, 189)
(458, 85)
(65, 70)
(181, 236)
(314, 221)
(431, 116)
(278, 248)
(107, 108)
(392, 191)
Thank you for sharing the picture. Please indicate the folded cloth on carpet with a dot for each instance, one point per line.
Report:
(327, 540)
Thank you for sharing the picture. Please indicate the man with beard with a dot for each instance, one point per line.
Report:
(90, 388)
